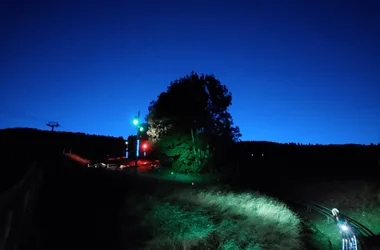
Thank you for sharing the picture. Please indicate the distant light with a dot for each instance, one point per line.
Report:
(144, 146)
(141, 129)
(251, 154)
(172, 173)
(192, 183)
(262, 154)
(135, 121)
(126, 143)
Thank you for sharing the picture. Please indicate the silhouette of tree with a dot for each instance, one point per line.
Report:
(191, 119)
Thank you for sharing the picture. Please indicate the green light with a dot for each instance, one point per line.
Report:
(172, 173)
(141, 129)
(135, 121)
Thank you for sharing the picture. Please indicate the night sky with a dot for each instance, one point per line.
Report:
(299, 71)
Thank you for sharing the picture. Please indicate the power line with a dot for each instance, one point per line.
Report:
(21, 116)
(29, 117)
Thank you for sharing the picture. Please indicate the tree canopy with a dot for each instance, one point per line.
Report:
(191, 120)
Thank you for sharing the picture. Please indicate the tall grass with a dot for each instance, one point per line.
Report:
(210, 219)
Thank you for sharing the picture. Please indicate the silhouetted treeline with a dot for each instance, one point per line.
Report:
(22, 146)
(274, 161)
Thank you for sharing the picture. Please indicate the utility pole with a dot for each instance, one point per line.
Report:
(53, 125)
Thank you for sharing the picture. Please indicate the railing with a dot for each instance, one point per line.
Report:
(16, 208)
(354, 234)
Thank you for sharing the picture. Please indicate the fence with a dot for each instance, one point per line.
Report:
(17, 208)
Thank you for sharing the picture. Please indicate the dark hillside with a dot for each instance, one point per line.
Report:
(20, 147)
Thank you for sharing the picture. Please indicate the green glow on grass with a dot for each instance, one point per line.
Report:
(207, 219)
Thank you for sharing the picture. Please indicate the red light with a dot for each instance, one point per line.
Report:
(144, 146)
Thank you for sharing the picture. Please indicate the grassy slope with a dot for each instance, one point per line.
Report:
(99, 209)
(201, 218)
(186, 212)
(357, 199)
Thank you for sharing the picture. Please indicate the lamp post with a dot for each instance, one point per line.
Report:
(136, 122)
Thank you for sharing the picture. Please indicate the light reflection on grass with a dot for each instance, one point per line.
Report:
(204, 219)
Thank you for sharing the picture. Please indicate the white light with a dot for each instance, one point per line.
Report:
(344, 227)
(251, 154)
(126, 143)
(335, 212)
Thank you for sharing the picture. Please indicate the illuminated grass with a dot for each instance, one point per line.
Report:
(201, 219)
(175, 225)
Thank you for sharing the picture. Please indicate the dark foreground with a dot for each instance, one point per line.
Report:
(86, 208)
(82, 208)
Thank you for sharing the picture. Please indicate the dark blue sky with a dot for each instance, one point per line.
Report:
(299, 71)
